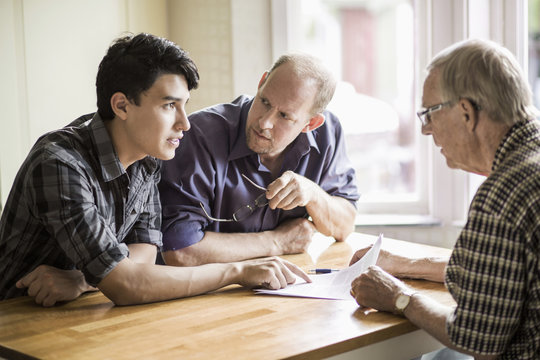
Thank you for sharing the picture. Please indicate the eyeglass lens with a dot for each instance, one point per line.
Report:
(247, 210)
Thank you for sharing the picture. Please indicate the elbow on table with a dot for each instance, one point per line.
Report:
(121, 296)
(127, 285)
(181, 257)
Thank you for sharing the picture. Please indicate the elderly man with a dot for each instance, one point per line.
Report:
(250, 173)
(478, 109)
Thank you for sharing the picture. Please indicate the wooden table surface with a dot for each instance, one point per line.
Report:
(232, 323)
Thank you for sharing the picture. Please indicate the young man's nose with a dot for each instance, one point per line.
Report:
(182, 121)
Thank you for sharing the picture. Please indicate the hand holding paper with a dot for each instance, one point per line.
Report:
(334, 285)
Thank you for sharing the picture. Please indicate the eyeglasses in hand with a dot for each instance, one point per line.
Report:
(243, 212)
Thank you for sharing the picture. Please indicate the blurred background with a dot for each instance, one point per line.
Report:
(50, 51)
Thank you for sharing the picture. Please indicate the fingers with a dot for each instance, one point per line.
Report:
(278, 273)
(42, 294)
(278, 184)
(296, 270)
(359, 254)
(37, 289)
(281, 279)
(26, 280)
(286, 199)
(48, 285)
(288, 191)
(48, 301)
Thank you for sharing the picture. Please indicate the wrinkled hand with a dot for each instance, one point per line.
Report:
(290, 190)
(293, 236)
(377, 289)
(49, 285)
(271, 273)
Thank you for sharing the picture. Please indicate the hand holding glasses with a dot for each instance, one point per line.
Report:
(246, 210)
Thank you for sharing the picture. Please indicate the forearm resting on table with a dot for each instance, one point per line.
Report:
(427, 268)
(143, 253)
(135, 283)
(222, 248)
(332, 215)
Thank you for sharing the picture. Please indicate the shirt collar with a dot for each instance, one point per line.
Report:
(300, 146)
(111, 167)
(520, 133)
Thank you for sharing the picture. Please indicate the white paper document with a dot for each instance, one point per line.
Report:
(335, 285)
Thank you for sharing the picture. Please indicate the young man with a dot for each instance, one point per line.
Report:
(478, 108)
(84, 209)
(259, 167)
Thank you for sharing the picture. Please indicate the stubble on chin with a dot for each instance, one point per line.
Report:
(252, 144)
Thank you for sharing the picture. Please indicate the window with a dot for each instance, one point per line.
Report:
(534, 49)
(378, 50)
(369, 45)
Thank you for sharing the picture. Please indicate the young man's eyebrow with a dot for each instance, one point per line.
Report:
(172, 98)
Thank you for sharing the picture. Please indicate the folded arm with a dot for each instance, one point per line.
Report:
(293, 236)
(49, 285)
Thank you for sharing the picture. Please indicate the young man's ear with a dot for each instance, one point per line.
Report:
(314, 123)
(119, 104)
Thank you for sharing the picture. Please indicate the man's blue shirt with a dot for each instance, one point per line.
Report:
(208, 169)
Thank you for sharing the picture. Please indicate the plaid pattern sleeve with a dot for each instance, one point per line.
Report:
(73, 206)
(493, 273)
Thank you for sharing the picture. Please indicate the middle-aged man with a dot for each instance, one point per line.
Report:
(245, 181)
(478, 109)
(84, 210)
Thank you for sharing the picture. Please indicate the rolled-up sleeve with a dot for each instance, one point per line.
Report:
(186, 181)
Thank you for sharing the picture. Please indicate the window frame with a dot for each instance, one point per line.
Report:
(442, 193)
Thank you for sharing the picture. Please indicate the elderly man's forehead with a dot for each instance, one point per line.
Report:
(431, 86)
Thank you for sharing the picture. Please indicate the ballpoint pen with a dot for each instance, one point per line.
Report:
(322, 271)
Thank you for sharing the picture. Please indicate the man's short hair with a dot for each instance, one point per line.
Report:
(311, 68)
(132, 65)
(488, 75)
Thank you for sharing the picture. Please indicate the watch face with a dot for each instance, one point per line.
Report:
(402, 301)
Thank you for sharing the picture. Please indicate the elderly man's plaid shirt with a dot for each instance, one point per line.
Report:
(494, 270)
(73, 205)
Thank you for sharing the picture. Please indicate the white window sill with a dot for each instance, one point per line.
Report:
(364, 220)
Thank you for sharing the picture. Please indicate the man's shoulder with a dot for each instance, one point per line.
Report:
(514, 188)
(68, 144)
(218, 126)
(226, 113)
(330, 131)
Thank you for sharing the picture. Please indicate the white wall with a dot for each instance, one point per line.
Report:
(51, 49)
(50, 54)
(229, 40)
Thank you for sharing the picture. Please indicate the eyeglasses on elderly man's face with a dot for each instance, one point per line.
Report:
(425, 114)
(243, 212)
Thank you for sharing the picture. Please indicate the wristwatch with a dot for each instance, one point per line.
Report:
(402, 301)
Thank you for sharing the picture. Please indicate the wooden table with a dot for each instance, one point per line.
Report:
(232, 323)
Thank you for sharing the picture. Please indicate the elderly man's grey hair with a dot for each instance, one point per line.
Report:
(311, 68)
(488, 75)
